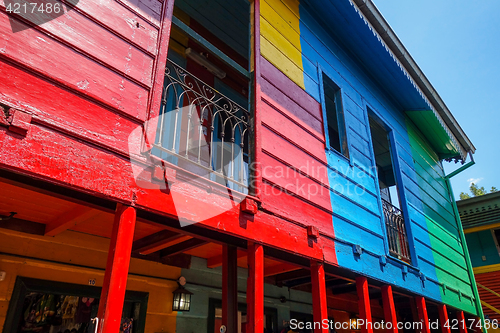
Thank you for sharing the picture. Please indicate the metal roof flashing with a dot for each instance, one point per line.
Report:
(441, 111)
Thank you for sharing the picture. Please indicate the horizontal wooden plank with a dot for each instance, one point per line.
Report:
(292, 132)
(290, 154)
(295, 183)
(295, 209)
(81, 33)
(149, 9)
(62, 109)
(282, 103)
(122, 21)
(290, 89)
(56, 61)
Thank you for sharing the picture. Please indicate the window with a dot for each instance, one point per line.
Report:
(383, 162)
(335, 129)
(496, 238)
(50, 306)
(215, 317)
(394, 219)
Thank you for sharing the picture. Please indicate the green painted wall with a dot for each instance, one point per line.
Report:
(434, 225)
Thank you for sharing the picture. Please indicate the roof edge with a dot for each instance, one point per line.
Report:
(383, 29)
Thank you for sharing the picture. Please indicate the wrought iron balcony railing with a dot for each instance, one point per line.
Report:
(396, 232)
(202, 130)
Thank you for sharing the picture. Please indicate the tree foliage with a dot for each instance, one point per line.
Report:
(476, 191)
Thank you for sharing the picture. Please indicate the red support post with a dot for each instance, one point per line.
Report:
(389, 309)
(365, 311)
(320, 310)
(115, 276)
(230, 288)
(255, 67)
(443, 318)
(462, 324)
(255, 288)
(422, 314)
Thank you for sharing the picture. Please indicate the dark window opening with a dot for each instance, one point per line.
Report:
(335, 117)
(383, 162)
(496, 235)
(394, 219)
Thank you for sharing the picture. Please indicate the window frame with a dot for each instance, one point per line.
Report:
(403, 202)
(24, 285)
(339, 108)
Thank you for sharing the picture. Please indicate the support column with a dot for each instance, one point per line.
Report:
(255, 288)
(320, 310)
(115, 276)
(422, 314)
(389, 309)
(230, 288)
(462, 324)
(365, 311)
(443, 318)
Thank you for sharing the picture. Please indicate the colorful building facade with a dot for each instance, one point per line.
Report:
(481, 222)
(284, 158)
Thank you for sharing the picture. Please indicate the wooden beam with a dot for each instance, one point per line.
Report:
(115, 276)
(69, 219)
(25, 226)
(423, 317)
(180, 260)
(462, 324)
(365, 311)
(182, 247)
(443, 318)
(230, 288)
(290, 276)
(320, 310)
(255, 288)
(216, 261)
(389, 310)
(154, 242)
(344, 289)
(280, 268)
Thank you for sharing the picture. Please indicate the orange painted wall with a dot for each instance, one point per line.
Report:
(86, 250)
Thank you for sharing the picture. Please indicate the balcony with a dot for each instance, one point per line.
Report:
(202, 131)
(396, 232)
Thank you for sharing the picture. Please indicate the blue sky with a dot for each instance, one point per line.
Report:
(456, 43)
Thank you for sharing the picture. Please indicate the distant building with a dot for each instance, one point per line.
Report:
(481, 222)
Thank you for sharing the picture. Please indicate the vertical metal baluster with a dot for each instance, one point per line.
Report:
(199, 136)
(242, 165)
(188, 129)
(163, 107)
(232, 156)
(222, 148)
(211, 148)
(175, 128)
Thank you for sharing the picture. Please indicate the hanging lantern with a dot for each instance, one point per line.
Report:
(353, 322)
(182, 297)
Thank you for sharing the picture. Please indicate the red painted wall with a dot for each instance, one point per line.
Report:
(86, 78)
(295, 180)
(87, 73)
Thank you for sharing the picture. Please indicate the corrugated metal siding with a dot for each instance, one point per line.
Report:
(491, 281)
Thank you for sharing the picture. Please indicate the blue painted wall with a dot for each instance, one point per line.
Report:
(438, 268)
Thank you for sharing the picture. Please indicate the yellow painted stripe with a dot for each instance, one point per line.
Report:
(280, 61)
(481, 228)
(492, 308)
(486, 269)
(280, 37)
(285, 46)
(488, 289)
